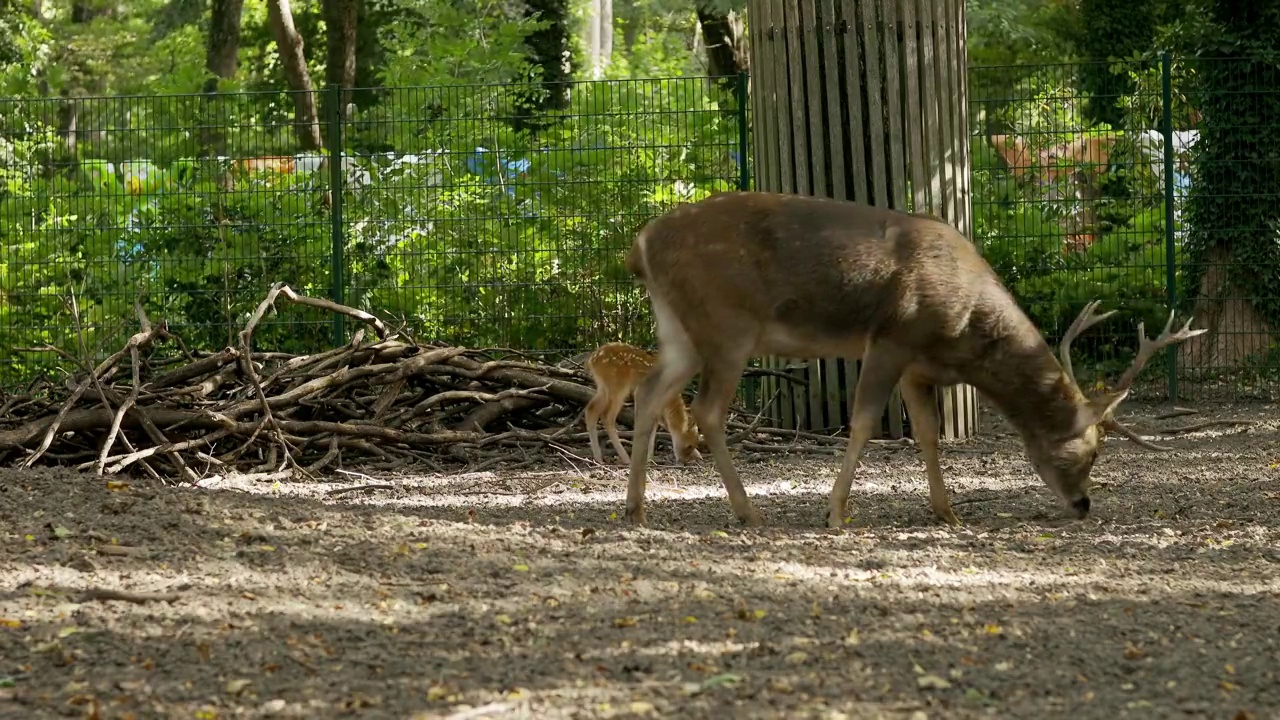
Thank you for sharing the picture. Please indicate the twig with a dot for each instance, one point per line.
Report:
(1202, 426)
(333, 307)
(361, 488)
(1176, 412)
(127, 596)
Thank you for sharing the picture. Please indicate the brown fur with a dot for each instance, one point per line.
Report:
(617, 368)
(739, 275)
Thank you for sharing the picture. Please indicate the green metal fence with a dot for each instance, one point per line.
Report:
(459, 215)
(1159, 189)
(451, 210)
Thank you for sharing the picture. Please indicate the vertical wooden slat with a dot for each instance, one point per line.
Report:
(796, 72)
(966, 424)
(915, 139)
(929, 109)
(896, 173)
(850, 21)
(827, 34)
(764, 95)
(831, 390)
(956, 36)
(875, 102)
(942, 66)
(768, 404)
(782, 85)
(809, 29)
(815, 394)
(851, 369)
(891, 47)
(799, 395)
(785, 397)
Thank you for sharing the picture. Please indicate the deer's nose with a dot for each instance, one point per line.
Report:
(1081, 507)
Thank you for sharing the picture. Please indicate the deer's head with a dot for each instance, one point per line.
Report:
(1064, 460)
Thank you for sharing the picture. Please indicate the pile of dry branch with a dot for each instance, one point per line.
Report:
(381, 401)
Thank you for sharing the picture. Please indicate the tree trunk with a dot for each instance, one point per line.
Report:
(549, 51)
(306, 121)
(221, 60)
(1230, 254)
(722, 35)
(340, 19)
(223, 47)
(598, 36)
(1238, 333)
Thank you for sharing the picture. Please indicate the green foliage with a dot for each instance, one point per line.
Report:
(1232, 210)
(1021, 226)
(1111, 30)
(463, 228)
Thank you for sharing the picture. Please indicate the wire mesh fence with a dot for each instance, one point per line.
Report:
(468, 219)
(451, 210)
(1135, 195)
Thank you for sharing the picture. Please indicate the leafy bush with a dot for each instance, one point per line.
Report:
(460, 227)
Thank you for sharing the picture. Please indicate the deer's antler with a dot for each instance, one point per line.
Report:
(1114, 426)
(1147, 347)
(1085, 320)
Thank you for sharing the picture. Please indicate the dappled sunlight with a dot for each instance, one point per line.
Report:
(525, 593)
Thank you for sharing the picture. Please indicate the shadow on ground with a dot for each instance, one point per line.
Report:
(429, 601)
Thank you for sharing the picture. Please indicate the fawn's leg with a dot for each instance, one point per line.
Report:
(594, 410)
(611, 425)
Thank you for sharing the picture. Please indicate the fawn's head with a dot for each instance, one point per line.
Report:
(685, 437)
(1064, 460)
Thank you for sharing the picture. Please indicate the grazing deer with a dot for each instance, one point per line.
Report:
(617, 368)
(743, 274)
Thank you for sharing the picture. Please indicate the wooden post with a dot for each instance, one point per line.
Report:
(861, 100)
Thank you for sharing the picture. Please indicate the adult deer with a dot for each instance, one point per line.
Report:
(617, 368)
(743, 274)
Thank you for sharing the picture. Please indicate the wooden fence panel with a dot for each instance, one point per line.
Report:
(861, 100)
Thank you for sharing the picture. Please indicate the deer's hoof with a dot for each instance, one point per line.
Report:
(635, 516)
(948, 516)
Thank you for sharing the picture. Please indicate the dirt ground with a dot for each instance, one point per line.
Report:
(522, 595)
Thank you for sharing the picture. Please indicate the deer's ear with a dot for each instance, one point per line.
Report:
(1096, 409)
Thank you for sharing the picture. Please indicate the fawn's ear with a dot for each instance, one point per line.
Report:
(1097, 409)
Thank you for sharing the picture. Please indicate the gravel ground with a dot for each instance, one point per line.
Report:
(521, 595)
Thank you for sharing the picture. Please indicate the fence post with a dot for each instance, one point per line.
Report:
(337, 252)
(1170, 263)
(744, 170)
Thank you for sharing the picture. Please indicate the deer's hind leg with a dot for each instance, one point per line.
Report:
(678, 360)
(715, 392)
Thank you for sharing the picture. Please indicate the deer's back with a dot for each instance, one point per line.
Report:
(820, 270)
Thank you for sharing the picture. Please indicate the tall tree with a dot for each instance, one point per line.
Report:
(340, 19)
(223, 46)
(597, 34)
(551, 55)
(1233, 259)
(723, 38)
(306, 121)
